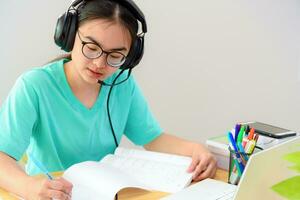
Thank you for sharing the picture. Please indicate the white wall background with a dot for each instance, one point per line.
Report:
(208, 64)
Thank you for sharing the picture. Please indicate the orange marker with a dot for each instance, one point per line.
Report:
(251, 134)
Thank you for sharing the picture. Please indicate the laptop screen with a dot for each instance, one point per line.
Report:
(272, 174)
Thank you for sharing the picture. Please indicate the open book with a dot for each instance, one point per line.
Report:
(128, 168)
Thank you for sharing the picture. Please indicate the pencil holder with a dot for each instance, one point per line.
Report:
(237, 164)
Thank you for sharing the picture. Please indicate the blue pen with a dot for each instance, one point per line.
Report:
(40, 166)
(233, 145)
(236, 131)
(241, 148)
(235, 161)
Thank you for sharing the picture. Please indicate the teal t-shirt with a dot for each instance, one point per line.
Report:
(42, 116)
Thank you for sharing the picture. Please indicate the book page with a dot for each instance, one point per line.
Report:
(158, 171)
(128, 168)
(94, 180)
(154, 156)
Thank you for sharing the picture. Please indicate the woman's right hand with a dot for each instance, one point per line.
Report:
(44, 189)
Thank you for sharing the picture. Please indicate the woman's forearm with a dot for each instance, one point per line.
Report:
(12, 177)
(171, 144)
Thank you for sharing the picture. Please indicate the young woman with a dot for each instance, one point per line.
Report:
(61, 115)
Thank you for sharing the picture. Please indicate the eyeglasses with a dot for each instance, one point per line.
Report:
(92, 51)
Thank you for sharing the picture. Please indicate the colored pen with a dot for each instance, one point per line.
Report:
(244, 155)
(241, 134)
(237, 166)
(250, 146)
(236, 131)
(245, 141)
(238, 160)
(256, 137)
(40, 166)
(251, 134)
(247, 129)
(234, 178)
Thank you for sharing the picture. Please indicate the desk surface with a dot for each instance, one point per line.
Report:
(128, 193)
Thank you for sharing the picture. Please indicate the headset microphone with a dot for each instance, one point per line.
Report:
(118, 83)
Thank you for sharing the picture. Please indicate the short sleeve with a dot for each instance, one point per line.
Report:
(18, 115)
(141, 127)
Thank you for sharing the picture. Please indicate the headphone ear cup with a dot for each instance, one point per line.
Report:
(59, 34)
(71, 32)
(65, 31)
(135, 55)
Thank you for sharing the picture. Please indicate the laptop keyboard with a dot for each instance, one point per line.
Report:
(207, 189)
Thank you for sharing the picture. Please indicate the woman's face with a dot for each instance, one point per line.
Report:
(110, 36)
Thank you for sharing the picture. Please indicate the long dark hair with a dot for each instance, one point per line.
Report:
(108, 10)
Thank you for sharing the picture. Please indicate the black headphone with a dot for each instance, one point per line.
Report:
(67, 25)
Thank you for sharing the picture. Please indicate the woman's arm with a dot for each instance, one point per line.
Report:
(14, 179)
(203, 162)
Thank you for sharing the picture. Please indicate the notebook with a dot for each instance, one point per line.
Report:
(272, 174)
(128, 168)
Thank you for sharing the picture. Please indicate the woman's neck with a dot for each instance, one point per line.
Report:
(87, 93)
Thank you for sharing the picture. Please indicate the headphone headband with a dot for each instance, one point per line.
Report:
(130, 5)
(67, 25)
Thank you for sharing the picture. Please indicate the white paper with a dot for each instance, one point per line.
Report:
(94, 180)
(128, 168)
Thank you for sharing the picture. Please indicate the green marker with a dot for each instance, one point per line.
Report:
(241, 134)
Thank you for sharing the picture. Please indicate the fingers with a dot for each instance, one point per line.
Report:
(208, 173)
(62, 185)
(206, 168)
(201, 167)
(42, 188)
(193, 165)
(59, 195)
(58, 189)
(57, 185)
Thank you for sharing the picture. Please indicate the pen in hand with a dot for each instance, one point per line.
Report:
(40, 166)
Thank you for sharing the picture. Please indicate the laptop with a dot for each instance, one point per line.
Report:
(272, 174)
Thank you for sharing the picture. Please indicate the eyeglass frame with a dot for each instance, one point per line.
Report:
(102, 51)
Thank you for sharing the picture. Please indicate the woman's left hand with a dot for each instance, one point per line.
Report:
(204, 164)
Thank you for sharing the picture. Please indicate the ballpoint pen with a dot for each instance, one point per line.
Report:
(40, 166)
(237, 158)
(236, 131)
(43, 169)
(240, 135)
(244, 154)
